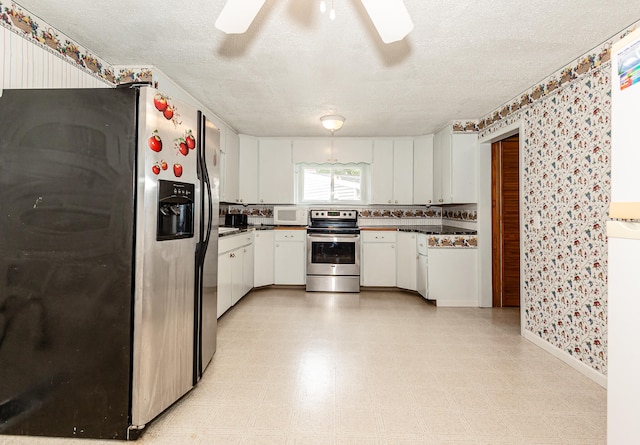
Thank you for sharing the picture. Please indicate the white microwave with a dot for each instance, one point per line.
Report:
(290, 216)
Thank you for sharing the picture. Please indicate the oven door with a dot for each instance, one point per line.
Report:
(333, 254)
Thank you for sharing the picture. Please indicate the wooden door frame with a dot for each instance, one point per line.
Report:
(496, 227)
(484, 210)
(498, 221)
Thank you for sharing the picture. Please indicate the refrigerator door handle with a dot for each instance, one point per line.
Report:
(207, 184)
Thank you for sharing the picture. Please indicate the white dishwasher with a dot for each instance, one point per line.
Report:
(423, 284)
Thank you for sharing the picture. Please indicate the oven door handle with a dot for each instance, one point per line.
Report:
(334, 235)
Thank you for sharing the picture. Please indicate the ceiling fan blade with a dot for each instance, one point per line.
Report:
(237, 15)
(390, 17)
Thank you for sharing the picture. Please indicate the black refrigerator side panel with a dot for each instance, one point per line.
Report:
(67, 193)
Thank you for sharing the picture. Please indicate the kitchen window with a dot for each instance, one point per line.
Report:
(332, 183)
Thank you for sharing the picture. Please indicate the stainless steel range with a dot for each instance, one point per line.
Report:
(333, 251)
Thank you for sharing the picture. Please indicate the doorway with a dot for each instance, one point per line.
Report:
(505, 221)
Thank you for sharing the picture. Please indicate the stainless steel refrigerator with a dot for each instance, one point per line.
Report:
(108, 201)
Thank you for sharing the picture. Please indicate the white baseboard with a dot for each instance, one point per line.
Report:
(576, 364)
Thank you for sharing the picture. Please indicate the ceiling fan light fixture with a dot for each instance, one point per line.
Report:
(332, 122)
(323, 6)
(237, 15)
(390, 17)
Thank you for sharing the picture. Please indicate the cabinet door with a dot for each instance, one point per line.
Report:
(445, 166)
(407, 261)
(422, 278)
(423, 170)
(289, 262)
(237, 263)
(311, 150)
(378, 264)
(452, 277)
(437, 168)
(352, 150)
(247, 268)
(224, 283)
(275, 178)
(382, 172)
(464, 168)
(403, 171)
(230, 167)
(263, 258)
(248, 170)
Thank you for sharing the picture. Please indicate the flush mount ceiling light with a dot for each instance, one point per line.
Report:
(332, 122)
(390, 17)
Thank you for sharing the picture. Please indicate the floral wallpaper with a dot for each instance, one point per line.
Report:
(453, 241)
(566, 190)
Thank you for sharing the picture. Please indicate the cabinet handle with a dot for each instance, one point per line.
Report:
(396, 201)
(262, 200)
(439, 200)
(232, 255)
(389, 202)
(429, 201)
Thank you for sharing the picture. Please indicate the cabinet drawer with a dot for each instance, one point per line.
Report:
(383, 236)
(231, 242)
(290, 235)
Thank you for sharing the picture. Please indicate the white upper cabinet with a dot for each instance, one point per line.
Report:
(454, 167)
(352, 150)
(275, 171)
(423, 170)
(332, 150)
(313, 151)
(403, 171)
(248, 170)
(392, 171)
(382, 172)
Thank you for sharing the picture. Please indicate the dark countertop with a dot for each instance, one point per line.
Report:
(250, 228)
(428, 230)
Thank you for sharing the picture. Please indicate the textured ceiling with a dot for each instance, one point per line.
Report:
(463, 59)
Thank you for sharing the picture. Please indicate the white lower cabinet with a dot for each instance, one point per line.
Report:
(452, 276)
(225, 282)
(235, 254)
(263, 258)
(378, 258)
(406, 265)
(289, 256)
(423, 263)
(247, 268)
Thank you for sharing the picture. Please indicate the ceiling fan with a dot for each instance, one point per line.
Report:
(390, 17)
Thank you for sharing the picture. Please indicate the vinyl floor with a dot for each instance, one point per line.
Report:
(378, 367)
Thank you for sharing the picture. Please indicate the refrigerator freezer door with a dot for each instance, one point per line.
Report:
(623, 385)
(625, 132)
(163, 334)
